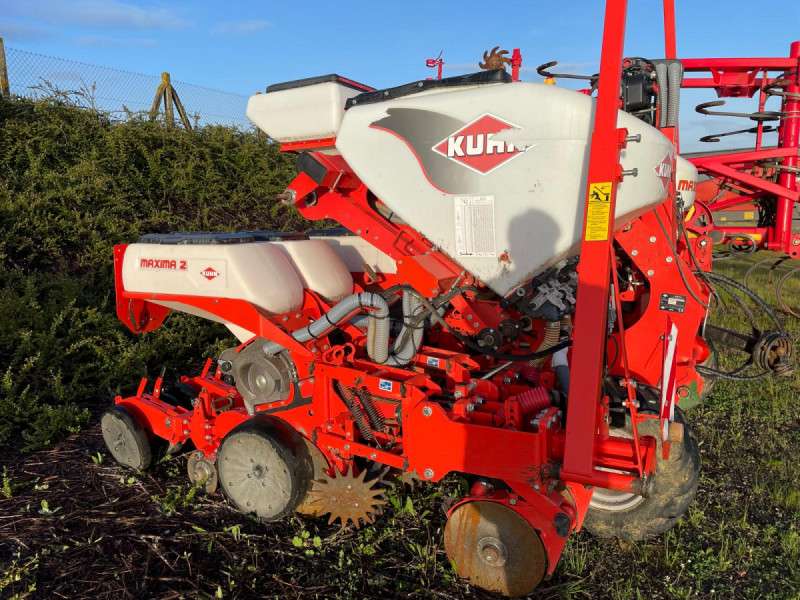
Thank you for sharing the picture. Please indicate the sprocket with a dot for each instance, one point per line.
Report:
(348, 497)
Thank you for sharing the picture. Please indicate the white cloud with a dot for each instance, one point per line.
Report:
(240, 27)
(96, 13)
(17, 32)
(109, 42)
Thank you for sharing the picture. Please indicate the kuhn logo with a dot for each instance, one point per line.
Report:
(209, 273)
(664, 170)
(474, 145)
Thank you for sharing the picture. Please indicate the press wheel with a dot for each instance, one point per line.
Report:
(125, 438)
(495, 548)
(260, 472)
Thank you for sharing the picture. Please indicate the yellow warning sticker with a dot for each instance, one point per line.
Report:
(599, 212)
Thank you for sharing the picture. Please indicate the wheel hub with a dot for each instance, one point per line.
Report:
(492, 551)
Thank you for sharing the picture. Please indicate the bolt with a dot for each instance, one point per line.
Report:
(208, 437)
(512, 501)
(311, 380)
(669, 259)
(506, 380)
(796, 242)
(427, 411)
(652, 239)
(703, 243)
(329, 427)
(428, 473)
(168, 422)
(650, 272)
(634, 138)
(634, 252)
(186, 421)
(373, 456)
(284, 318)
(186, 432)
(458, 394)
(347, 446)
(207, 426)
(325, 347)
(632, 172)
(434, 292)
(475, 325)
(469, 317)
(358, 232)
(536, 486)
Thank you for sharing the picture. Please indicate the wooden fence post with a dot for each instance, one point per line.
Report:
(171, 101)
(5, 92)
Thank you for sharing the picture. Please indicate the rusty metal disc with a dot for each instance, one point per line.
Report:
(495, 548)
(203, 471)
(347, 497)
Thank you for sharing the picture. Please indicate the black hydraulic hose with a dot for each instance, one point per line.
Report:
(678, 264)
(752, 295)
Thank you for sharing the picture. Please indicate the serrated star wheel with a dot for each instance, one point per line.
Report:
(125, 438)
(495, 548)
(348, 497)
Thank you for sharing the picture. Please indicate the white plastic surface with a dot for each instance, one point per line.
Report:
(259, 273)
(535, 200)
(356, 252)
(686, 181)
(320, 268)
(306, 113)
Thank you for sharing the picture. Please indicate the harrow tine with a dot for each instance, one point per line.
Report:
(753, 268)
(778, 262)
(779, 292)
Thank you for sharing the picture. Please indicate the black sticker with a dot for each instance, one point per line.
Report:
(672, 303)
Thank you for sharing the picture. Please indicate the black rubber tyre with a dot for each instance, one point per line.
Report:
(709, 382)
(628, 517)
(265, 467)
(125, 438)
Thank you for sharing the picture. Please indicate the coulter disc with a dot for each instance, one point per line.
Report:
(495, 548)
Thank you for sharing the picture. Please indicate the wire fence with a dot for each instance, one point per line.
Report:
(114, 91)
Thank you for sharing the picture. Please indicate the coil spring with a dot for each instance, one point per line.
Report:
(352, 404)
(375, 417)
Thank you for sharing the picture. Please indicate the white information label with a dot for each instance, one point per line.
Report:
(474, 222)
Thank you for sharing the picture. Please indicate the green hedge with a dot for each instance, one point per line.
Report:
(72, 184)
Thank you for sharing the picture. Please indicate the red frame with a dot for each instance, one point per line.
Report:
(744, 77)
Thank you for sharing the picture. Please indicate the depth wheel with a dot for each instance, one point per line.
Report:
(201, 470)
(613, 513)
(125, 438)
(265, 468)
(495, 548)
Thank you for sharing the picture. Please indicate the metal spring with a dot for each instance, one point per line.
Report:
(375, 417)
(360, 419)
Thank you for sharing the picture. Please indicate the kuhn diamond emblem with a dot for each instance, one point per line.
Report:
(209, 273)
(474, 145)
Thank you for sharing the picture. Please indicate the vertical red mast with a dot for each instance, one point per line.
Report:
(605, 172)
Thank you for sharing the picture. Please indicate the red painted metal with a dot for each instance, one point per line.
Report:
(744, 77)
(588, 353)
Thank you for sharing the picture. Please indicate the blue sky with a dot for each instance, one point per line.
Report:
(242, 46)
